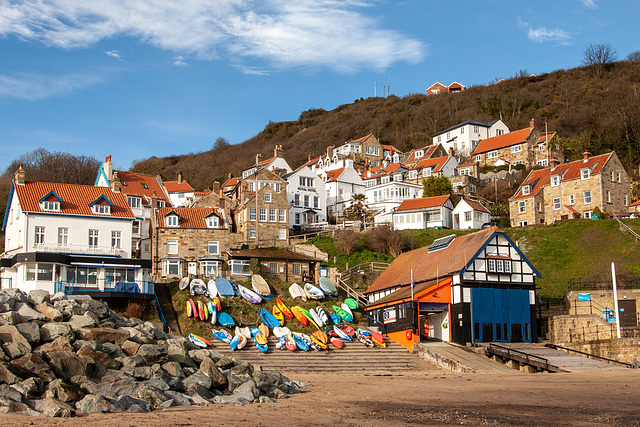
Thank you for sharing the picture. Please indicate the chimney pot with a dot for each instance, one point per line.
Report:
(179, 177)
(586, 155)
(532, 124)
(20, 175)
(450, 151)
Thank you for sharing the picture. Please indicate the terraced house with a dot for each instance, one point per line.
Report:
(572, 190)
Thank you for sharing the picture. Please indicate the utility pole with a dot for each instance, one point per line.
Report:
(375, 89)
(389, 83)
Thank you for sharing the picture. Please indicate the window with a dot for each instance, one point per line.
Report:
(306, 201)
(101, 209)
(134, 202)
(522, 223)
(555, 180)
(522, 206)
(467, 216)
(526, 190)
(448, 135)
(276, 186)
(492, 154)
(297, 218)
(93, 238)
(572, 199)
(413, 174)
(426, 172)
(267, 197)
(171, 267)
(135, 227)
(250, 187)
(539, 207)
(608, 196)
(213, 222)
(619, 177)
(50, 205)
(612, 176)
(273, 268)
(161, 203)
(315, 202)
(39, 236)
(116, 239)
(397, 177)
(252, 214)
(419, 154)
(263, 214)
(172, 247)
(171, 221)
(556, 203)
(461, 131)
(296, 200)
(541, 147)
(588, 214)
(296, 269)
(272, 215)
(478, 158)
(585, 174)
(209, 269)
(516, 148)
(587, 197)
(499, 265)
(476, 129)
(472, 187)
(282, 234)
(63, 236)
(464, 172)
(282, 215)
(543, 162)
(212, 247)
(252, 232)
(491, 264)
(372, 151)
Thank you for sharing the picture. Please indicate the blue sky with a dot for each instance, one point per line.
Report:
(142, 78)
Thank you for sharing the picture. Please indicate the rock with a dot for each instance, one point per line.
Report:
(66, 364)
(81, 321)
(112, 349)
(101, 360)
(117, 386)
(58, 296)
(68, 308)
(6, 376)
(140, 336)
(247, 391)
(132, 362)
(139, 372)
(158, 383)
(266, 399)
(92, 344)
(174, 369)
(196, 389)
(153, 353)
(52, 331)
(16, 294)
(179, 398)
(85, 384)
(184, 361)
(49, 312)
(15, 345)
(28, 314)
(209, 368)
(36, 366)
(10, 406)
(59, 344)
(92, 404)
(38, 296)
(277, 393)
(52, 407)
(198, 355)
(197, 378)
(199, 400)
(30, 388)
(225, 362)
(31, 331)
(236, 380)
(155, 330)
(8, 392)
(104, 335)
(130, 348)
(133, 404)
(98, 308)
(266, 380)
(177, 345)
(65, 391)
(11, 318)
(6, 302)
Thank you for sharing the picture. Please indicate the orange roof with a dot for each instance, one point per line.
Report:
(545, 138)
(174, 187)
(191, 217)
(390, 148)
(145, 186)
(264, 162)
(359, 139)
(76, 199)
(231, 182)
(309, 163)
(636, 203)
(333, 175)
(427, 152)
(572, 209)
(201, 193)
(502, 141)
(422, 203)
(537, 179)
(435, 164)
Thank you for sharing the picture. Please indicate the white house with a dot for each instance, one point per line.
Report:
(61, 235)
(465, 136)
(468, 214)
(425, 212)
(340, 186)
(436, 166)
(386, 190)
(277, 162)
(308, 198)
(181, 193)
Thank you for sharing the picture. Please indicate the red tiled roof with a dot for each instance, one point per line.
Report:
(545, 138)
(174, 187)
(76, 199)
(359, 139)
(333, 175)
(422, 203)
(134, 184)
(309, 163)
(572, 209)
(636, 203)
(231, 182)
(502, 141)
(190, 217)
(430, 265)
(567, 171)
(264, 162)
(435, 164)
(390, 148)
(477, 206)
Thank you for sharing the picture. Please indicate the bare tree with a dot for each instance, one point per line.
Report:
(599, 56)
(385, 239)
(634, 56)
(346, 241)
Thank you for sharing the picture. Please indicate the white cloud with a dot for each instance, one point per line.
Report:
(305, 33)
(591, 4)
(114, 54)
(37, 86)
(178, 61)
(543, 34)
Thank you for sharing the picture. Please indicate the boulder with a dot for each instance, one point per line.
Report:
(15, 344)
(140, 336)
(81, 321)
(92, 344)
(49, 312)
(6, 376)
(139, 372)
(52, 407)
(66, 364)
(38, 296)
(198, 355)
(235, 380)
(30, 388)
(248, 391)
(225, 362)
(104, 335)
(266, 399)
(209, 369)
(11, 318)
(28, 314)
(6, 302)
(59, 344)
(31, 331)
(155, 330)
(53, 330)
(153, 353)
(133, 404)
(64, 391)
(130, 347)
(58, 296)
(8, 392)
(197, 389)
(101, 360)
(10, 406)
(132, 361)
(85, 384)
(16, 294)
(197, 378)
(92, 404)
(68, 308)
(267, 380)
(277, 393)
(35, 365)
(174, 369)
(112, 349)
(117, 386)
(98, 308)
(159, 384)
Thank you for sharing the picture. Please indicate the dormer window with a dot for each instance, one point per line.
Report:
(50, 205)
(213, 222)
(397, 177)
(101, 206)
(413, 174)
(585, 173)
(144, 185)
(384, 179)
(526, 190)
(419, 154)
(134, 202)
(555, 180)
(426, 172)
(171, 221)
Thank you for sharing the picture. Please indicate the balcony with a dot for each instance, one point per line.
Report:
(80, 250)
(93, 286)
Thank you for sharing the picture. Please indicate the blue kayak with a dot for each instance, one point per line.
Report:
(269, 319)
(335, 318)
(300, 343)
(225, 319)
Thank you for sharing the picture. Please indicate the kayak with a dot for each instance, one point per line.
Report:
(184, 282)
(269, 319)
(283, 308)
(301, 317)
(249, 295)
(341, 333)
(189, 309)
(321, 336)
(261, 342)
(309, 317)
(242, 342)
(260, 285)
(214, 312)
(335, 318)
(351, 303)
(199, 341)
(277, 313)
(281, 331)
(300, 343)
(323, 314)
(290, 344)
(216, 302)
(222, 335)
(264, 330)
(316, 317)
(378, 339)
(343, 314)
(336, 343)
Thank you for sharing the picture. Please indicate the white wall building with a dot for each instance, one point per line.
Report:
(308, 198)
(277, 162)
(468, 214)
(426, 212)
(340, 186)
(465, 136)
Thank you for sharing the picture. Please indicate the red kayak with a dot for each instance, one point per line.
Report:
(336, 342)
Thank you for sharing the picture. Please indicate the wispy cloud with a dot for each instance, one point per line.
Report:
(178, 61)
(591, 4)
(114, 54)
(37, 86)
(283, 34)
(544, 34)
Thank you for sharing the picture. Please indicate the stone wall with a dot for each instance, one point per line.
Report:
(310, 250)
(570, 328)
(600, 299)
(623, 350)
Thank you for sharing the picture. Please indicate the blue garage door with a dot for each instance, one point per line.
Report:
(501, 315)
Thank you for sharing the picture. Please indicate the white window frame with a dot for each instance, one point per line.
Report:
(556, 203)
(63, 236)
(101, 209)
(39, 235)
(215, 245)
(619, 176)
(282, 233)
(252, 214)
(572, 200)
(272, 215)
(267, 197)
(478, 157)
(94, 238)
(587, 197)
(516, 148)
(555, 180)
(252, 232)
(543, 162)
(585, 174)
(50, 205)
(523, 223)
(426, 172)
(172, 247)
(263, 214)
(116, 239)
(213, 222)
(526, 190)
(282, 215)
(134, 202)
(522, 206)
(171, 221)
(492, 154)
(608, 196)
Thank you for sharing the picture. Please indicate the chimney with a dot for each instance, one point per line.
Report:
(229, 175)
(532, 124)
(330, 151)
(258, 158)
(20, 175)
(107, 167)
(309, 157)
(179, 177)
(554, 162)
(586, 155)
(278, 151)
(154, 201)
(216, 188)
(115, 183)
(450, 151)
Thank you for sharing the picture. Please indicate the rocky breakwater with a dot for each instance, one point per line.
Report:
(64, 355)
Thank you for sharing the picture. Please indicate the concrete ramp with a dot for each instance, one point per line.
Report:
(457, 358)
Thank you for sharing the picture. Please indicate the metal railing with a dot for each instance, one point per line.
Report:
(529, 359)
(589, 355)
(352, 293)
(80, 249)
(6, 283)
(625, 227)
(165, 328)
(105, 285)
(363, 268)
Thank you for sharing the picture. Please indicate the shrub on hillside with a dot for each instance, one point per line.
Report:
(346, 241)
(387, 240)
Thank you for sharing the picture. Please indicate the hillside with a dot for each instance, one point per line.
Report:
(600, 113)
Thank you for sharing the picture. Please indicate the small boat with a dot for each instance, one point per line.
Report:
(200, 306)
(222, 335)
(184, 282)
(281, 343)
(318, 343)
(298, 314)
(234, 342)
(197, 287)
(264, 330)
(244, 331)
(242, 342)
(226, 320)
(261, 342)
(321, 336)
(316, 317)
(290, 344)
(307, 339)
(199, 341)
(211, 287)
(327, 286)
(214, 312)
(336, 342)
(300, 343)
(351, 303)
(281, 331)
(269, 319)
(313, 292)
(323, 314)
(297, 292)
(283, 308)
(335, 318)
(260, 285)
(194, 308)
(341, 333)
(217, 303)
(347, 330)
(346, 308)
(277, 313)
(377, 338)
(364, 332)
(249, 295)
(343, 314)
(225, 288)
(364, 339)
(189, 309)
(309, 317)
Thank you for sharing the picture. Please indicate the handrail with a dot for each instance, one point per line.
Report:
(589, 355)
(526, 355)
(352, 293)
(164, 321)
(626, 227)
(364, 267)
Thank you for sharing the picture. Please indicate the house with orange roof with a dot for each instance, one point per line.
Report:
(469, 215)
(436, 166)
(144, 193)
(181, 193)
(634, 209)
(386, 189)
(365, 150)
(190, 241)
(308, 198)
(474, 288)
(72, 238)
(517, 147)
(438, 88)
(340, 186)
(464, 137)
(572, 190)
(423, 212)
(427, 152)
(466, 179)
(275, 163)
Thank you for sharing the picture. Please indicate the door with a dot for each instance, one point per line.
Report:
(627, 313)
(192, 268)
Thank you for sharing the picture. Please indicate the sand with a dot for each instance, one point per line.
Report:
(433, 397)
